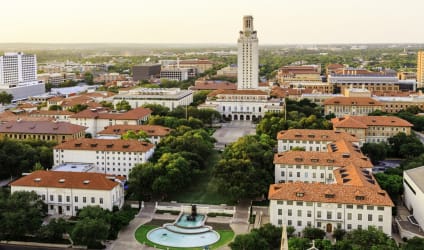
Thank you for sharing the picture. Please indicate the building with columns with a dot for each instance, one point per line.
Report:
(247, 56)
(420, 69)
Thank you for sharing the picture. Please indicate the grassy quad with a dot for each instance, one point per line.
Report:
(141, 235)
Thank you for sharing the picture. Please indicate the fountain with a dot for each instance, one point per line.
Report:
(188, 230)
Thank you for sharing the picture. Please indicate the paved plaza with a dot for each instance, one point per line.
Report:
(230, 132)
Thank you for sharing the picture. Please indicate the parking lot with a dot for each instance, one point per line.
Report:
(384, 165)
(230, 132)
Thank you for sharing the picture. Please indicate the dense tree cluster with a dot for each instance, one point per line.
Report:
(177, 159)
(246, 167)
(17, 157)
(20, 214)
(300, 115)
(266, 237)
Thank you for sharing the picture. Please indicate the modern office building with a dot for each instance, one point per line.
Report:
(174, 74)
(18, 75)
(248, 56)
(413, 185)
(420, 69)
(146, 71)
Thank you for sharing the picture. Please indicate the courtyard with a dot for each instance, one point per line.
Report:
(230, 132)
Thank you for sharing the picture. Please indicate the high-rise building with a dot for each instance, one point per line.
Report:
(17, 69)
(248, 56)
(18, 75)
(420, 69)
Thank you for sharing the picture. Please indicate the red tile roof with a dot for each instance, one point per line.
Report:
(59, 179)
(151, 130)
(329, 193)
(237, 92)
(366, 121)
(315, 135)
(134, 114)
(41, 127)
(349, 101)
(213, 85)
(106, 145)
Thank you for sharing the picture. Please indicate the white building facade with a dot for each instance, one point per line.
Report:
(247, 56)
(18, 75)
(168, 97)
(413, 185)
(110, 156)
(67, 192)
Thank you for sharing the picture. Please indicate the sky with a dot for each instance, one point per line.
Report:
(211, 21)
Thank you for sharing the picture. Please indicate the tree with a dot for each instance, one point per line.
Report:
(413, 244)
(142, 175)
(405, 146)
(369, 239)
(78, 108)
(54, 230)
(157, 109)
(5, 98)
(88, 78)
(375, 151)
(393, 184)
(90, 232)
(37, 166)
(55, 107)
(200, 97)
(107, 104)
(140, 135)
(338, 233)
(265, 237)
(297, 148)
(313, 233)
(21, 213)
(123, 105)
(299, 243)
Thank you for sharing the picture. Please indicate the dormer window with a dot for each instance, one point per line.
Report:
(359, 197)
(300, 194)
(298, 159)
(314, 160)
(329, 196)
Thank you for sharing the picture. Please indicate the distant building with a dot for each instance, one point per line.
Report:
(304, 73)
(56, 79)
(342, 106)
(168, 97)
(174, 74)
(96, 120)
(394, 104)
(229, 71)
(110, 156)
(146, 71)
(18, 75)
(372, 128)
(212, 85)
(154, 132)
(65, 193)
(420, 69)
(248, 56)
(41, 130)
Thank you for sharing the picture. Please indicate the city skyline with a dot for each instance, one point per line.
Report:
(187, 21)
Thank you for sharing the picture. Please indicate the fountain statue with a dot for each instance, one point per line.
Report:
(192, 216)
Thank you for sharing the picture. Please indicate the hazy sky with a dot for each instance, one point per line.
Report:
(211, 21)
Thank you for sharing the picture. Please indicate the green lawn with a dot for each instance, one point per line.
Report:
(141, 235)
(203, 189)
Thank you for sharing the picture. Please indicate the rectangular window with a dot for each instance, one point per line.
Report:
(380, 208)
(51, 197)
(68, 208)
(93, 200)
(309, 213)
(349, 216)
(349, 226)
(68, 198)
(280, 202)
(299, 203)
(280, 211)
(299, 223)
(360, 207)
(299, 212)
(84, 199)
(339, 215)
(59, 198)
(319, 214)
(76, 198)
(318, 224)
(289, 202)
(289, 212)
(369, 217)
(370, 207)
(380, 218)
(329, 215)
(359, 216)
(349, 206)
(289, 222)
(280, 221)
(309, 204)
(282, 173)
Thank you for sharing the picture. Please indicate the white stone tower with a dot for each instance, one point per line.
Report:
(247, 56)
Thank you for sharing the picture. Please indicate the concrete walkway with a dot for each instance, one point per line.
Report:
(126, 237)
